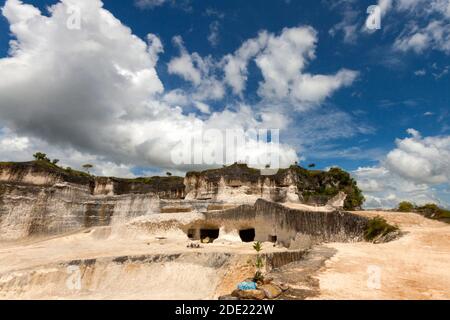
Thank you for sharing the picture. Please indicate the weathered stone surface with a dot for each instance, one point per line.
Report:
(241, 184)
(269, 218)
(228, 297)
(29, 210)
(250, 294)
(282, 286)
(271, 291)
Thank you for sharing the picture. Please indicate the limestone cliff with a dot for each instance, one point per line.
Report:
(242, 184)
(289, 225)
(38, 198)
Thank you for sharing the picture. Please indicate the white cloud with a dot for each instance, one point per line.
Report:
(429, 26)
(83, 95)
(420, 72)
(150, 3)
(198, 71)
(425, 23)
(236, 65)
(411, 172)
(282, 60)
(203, 107)
(214, 36)
(423, 160)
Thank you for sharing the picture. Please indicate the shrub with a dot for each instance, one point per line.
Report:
(39, 156)
(378, 226)
(406, 206)
(432, 210)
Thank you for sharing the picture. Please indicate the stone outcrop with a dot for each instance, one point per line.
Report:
(287, 225)
(242, 184)
(42, 173)
(40, 198)
(27, 210)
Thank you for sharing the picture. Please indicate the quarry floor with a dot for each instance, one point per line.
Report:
(412, 267)
(416, 266)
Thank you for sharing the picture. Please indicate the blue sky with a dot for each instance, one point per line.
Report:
(397, 80)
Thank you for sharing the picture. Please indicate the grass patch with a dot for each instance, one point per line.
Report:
(376, 227)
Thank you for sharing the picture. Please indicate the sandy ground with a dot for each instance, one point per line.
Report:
(87, 245)
(31, 269)
(416, 266)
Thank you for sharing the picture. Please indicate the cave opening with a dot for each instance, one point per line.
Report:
(212, 234)
(191, 233)
(247, 235)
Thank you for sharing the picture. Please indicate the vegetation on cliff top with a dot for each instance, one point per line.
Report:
(327, 184)
(430, 210)
(46, 166)
(315, 185)
(318, 186)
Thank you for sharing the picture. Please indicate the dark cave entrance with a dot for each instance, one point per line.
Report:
(247, 235)
(212, 234)
(191, 233)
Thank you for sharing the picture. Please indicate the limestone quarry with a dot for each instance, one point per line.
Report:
(68, 235)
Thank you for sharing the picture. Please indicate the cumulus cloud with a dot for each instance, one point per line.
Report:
(199, 71)
(80, 90)
(236, 65)
(282, 60)
(412, 171)
(422, 160)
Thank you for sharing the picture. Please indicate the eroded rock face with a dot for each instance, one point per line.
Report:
(290, 225)
(38, 198)
(241, 184)
(164, 187)
(27, 210)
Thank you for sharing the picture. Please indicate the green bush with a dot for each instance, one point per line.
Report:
(406, 206)
(378, 226)
(432, 210)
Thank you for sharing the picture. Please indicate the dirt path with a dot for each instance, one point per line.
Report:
(300, 276)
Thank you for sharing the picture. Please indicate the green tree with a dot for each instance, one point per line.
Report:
(55, 161)
(169, 174)
(87, 167)
(405, 206)
(39, 156)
